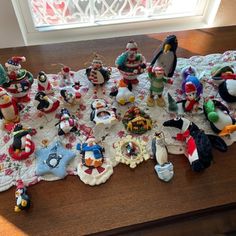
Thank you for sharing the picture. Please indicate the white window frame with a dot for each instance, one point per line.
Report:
(204, 18)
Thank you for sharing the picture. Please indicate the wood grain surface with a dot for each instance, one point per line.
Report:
(131, 202)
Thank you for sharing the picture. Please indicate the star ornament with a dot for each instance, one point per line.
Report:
(53, 160)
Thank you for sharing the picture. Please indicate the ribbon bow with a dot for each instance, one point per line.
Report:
(183, 136)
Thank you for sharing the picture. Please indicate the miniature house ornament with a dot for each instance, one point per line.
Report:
(97, 74)
(163, 168)
(8, 109)
(22, 146)
(18, 81)
(131, 63)
(131, 151)
(137, 121)
(94, 168)
(103, 113)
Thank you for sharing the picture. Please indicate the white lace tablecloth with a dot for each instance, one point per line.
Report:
(11, 170)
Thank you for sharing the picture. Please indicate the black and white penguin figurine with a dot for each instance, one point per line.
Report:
(199, 148)
(67, 123)
(22, 198)
(166, 57)
(218, 115)
(46, 104)
(44, 84)
(97, 74)
(226, 80)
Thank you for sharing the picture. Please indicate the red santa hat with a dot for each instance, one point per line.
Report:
(131, 46)
(20, 184)
(66, 69)
(2, 92)
(90, 139)
(15, 61)
(190, 87)
(158, 70)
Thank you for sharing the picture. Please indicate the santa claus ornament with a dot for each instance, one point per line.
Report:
(44, 84)
(97, 74)
(131, 63)
(19, 80)
(22, 146)
(8, 110)
(94, 168)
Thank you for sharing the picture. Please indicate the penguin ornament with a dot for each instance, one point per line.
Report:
(226, 80)
(8, 110)
(166, 57)
(67, 123)
(218, 115)
(23, 145)
(44, 84)
(46, 104)
(103, 113)
(163, 168)
(198, 144)
(123, 93)
(22, 198)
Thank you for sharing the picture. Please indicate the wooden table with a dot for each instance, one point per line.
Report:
(132, 201)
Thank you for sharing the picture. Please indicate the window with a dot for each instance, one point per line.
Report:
(86, 19)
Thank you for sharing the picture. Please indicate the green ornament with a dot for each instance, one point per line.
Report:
(3, 76)
(172, 104)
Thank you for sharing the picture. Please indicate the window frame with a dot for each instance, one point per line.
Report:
(33, 36)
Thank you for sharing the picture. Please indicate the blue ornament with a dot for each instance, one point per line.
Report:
(53, 159)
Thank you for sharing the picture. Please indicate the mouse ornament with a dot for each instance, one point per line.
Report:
(22, 198)
(131, 63)
(67, 123)
(18, 81)
(46, 104)
(22, 146)
(166, 57)
(94, 168)
(225, 78)
(44, 84)
(163, 168)
(198, 144)
(218, 115)
(97, 74)
(9, 111)
(123, 93)
(157, 83)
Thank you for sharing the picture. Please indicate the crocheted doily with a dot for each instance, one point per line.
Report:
(11, 170)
